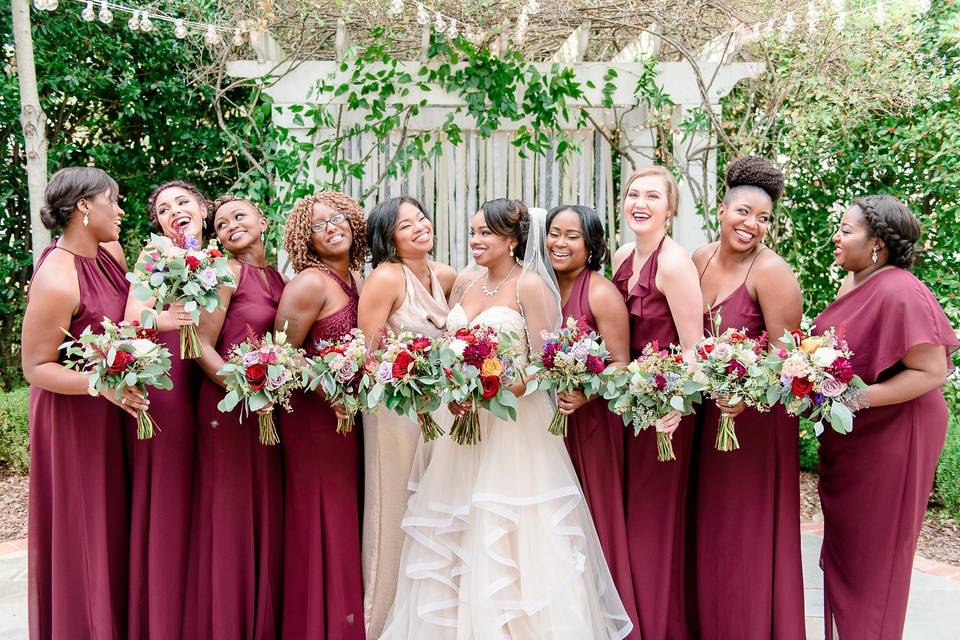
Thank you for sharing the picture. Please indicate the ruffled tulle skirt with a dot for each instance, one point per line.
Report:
(499, 542)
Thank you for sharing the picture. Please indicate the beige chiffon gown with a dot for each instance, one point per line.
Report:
(390, 442)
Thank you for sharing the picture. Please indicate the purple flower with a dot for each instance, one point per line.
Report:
(385, 372)
(251, 357)
(208, 278)
(345, 373)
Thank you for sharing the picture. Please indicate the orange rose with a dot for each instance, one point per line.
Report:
(491, 367)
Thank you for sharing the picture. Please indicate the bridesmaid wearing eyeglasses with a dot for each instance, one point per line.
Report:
(325, 236)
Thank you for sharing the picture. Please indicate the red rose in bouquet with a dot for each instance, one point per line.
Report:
(736, 368)
(256, 375)
(490, 384)
(192, 263)
(121, 360)
(402, 364)
(214, 253)
(842, 370)
(801, 387)
(705, 350)
(420, 343)
(595, 364)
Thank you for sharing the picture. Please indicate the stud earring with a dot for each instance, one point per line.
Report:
(86, 218)
(873, 254)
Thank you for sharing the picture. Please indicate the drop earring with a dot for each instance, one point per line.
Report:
(511, 252)
(873, 254)
(86, 218)
(589, 257)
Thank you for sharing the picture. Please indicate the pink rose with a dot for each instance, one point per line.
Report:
(832, 388)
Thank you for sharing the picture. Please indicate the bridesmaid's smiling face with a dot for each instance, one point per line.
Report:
(331, 234)
(487, 247)
(566, 244)
(413, 232)
(853, 246)
(744, 216)
(179, 211)
(104, 214)
(646, 205)
(238, 225)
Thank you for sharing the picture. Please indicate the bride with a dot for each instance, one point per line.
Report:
(499, 542)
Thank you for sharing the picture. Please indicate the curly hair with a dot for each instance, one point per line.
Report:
(891, 221)
(754, 171)
(186, 186)
(508, 218)
(298, 238)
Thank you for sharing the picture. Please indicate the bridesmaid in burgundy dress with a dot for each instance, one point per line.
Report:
(748, 568)
(659, 283)
(325, 236)
(236, 544)
(162, 468)
(575, 244)
(875, 481)
(78, 542)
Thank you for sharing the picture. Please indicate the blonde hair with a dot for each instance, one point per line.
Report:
(673, 190)
(298, 237)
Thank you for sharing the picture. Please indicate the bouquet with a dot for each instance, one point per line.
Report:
(339, 370)
(181, 271)
(814, 375)
(262, 372)
(407, 380)
(731, 367)
(652, 385)
(572, 358)
(478, 366)
(124, 355)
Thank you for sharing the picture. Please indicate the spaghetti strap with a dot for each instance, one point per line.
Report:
(469, 286)
(349, 289)
(753, 262)
(709, 260)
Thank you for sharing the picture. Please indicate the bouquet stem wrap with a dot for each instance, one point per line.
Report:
(268, 430)
(428, 427)
(726, 434)
(190, 347)
(466, 428)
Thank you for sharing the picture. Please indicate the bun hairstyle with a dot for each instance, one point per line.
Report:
(891, 221)
(508, 218)
(592, 232)
(381, 223)
(67, 187)
(186, 186)
(754, 171)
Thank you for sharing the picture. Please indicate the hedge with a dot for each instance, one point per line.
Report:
(14, 438)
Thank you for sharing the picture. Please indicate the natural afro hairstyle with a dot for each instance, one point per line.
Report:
(298, 238)
(508, 218)
(754, 171)
(67, 187)
(381, 223)
(891, 221)
(592, 232)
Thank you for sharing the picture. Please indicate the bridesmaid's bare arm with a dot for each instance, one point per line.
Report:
(209, 329)
(614, 321)
(678, 280)
(115, 249)
(300, 305)
(621, 255)
(926, 370)
(166, 320)
(382, 295)
(446, 275)
(778, 293)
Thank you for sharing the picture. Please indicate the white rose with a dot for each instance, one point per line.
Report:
(142, 347)
(824, 356)
(747, 357)
(457, 346)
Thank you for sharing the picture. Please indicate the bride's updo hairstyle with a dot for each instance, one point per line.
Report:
(891, 221)
(508, 218)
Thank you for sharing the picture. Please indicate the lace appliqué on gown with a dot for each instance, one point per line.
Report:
(499, 541)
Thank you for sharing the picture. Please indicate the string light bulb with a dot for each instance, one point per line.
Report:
(533, 7)
(423, 18)
(439, 23)
(211, 37)
(134, 22)
(452, 31)
(812, 17)
(238, 37)
(881, 13)
(105, 16)
(146, 25)
(923, 5)
(179, 29)
(88, 14)
(396, 7)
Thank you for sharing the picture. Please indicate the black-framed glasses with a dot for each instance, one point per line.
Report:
(321, 225)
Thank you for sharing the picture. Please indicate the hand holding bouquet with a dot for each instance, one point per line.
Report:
(731, 368)
(573, 358)
(407, 380)
(650, 387)
(815, 376)
(260, 373)
(124, 355)
(478, 367)
(181, 272)
(339, 370)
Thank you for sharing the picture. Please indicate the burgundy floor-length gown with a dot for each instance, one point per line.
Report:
(656, 493)
(236, 547)
(162, 472)
(748, 568)
(78, 520)
(323, 580)
(875, 481)
(595, 443)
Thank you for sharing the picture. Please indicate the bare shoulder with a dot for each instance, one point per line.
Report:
(57, 276)
(386, 275)
(531, 283)
(308, 281)
(674, 255)
(621, 255)
(115, 249)
(603, 294)
(358, 280)
(446, 274)
(235, 268)
(703, 253)
(771, 265)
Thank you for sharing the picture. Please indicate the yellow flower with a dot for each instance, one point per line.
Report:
(811, 344)
(491, 367)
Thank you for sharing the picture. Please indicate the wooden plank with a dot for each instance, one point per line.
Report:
(394, 186)
(473, 172)
(459, 215)
(554, 175)
(442, 206)
(427, 195)
(528, 176)
(543, 181)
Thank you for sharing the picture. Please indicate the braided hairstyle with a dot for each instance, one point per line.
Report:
(298, 238)
(508, 218)
(891, 221)
(754, 171)
(67, 187)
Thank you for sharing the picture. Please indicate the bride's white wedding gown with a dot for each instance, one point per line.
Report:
(499, 541)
